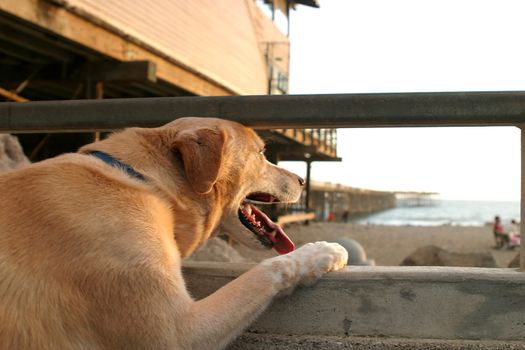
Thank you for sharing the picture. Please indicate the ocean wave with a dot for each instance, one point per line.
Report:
(446, 212)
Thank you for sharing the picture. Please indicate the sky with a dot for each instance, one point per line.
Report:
(372, 46)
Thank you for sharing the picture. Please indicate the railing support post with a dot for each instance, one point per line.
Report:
(522, 200)
(307, 180)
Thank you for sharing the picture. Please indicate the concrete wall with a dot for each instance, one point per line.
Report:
(397, 302)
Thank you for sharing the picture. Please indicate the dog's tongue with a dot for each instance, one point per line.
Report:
(281, 242)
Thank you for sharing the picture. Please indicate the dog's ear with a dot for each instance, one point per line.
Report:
(201, 152)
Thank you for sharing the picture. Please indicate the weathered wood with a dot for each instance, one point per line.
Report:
(192, 43)
(12, 96)
(286, 219)
(90, 33)
(108, 71)
(117, 71)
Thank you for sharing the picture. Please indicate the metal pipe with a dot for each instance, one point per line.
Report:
(263, 112)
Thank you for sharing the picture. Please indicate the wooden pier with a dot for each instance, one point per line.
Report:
(336, 202)
(415, 199)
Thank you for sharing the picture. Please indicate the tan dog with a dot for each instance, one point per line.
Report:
(90, 250)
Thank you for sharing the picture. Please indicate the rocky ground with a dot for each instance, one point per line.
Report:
(390, 245)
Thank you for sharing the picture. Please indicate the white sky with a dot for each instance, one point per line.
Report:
(363, 46)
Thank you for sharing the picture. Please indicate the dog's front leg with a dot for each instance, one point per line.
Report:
(220, 317)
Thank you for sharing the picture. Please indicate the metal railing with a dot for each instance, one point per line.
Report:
(286, 111)
(324, 140)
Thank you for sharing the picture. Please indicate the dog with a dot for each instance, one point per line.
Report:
(91, 242)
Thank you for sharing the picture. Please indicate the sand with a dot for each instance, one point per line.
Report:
(389, 245)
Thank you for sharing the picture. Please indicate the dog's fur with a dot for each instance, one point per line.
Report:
(90, 256)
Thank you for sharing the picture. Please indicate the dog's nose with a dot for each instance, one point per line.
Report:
(301, 181)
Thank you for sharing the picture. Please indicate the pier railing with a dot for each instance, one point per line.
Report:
(280, 112)
(324, 140)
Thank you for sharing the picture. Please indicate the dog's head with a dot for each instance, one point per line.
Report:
(225, 161)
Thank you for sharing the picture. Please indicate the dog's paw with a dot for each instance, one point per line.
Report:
(305, 265)
(316, 259)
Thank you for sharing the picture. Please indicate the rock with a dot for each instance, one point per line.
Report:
(436, 256)
(11, 154)
(217, 249)
(356, 252)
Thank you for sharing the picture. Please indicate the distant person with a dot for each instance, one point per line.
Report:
(514, 234)
(513, 227)
(500, 236)
(331, 217)
(345, 216)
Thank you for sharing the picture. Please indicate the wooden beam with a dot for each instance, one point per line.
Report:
(117, 71)
(62, 22)
(26, 41)
(12, 96)
(286, 219)
(107, 71)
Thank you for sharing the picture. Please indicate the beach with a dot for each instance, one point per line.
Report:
(389, 245)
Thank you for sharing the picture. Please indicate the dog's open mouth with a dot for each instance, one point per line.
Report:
(267, 232)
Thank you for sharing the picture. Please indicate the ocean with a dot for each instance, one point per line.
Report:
(446, 212)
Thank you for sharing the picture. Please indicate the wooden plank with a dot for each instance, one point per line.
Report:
(286, 219)
(272, 41)
(108, 71)
(197, 34)
(118, 71)
(12, 96)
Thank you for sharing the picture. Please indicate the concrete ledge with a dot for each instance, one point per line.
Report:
(251, 341)
(399, 302)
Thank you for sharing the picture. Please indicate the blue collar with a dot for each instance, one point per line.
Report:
(118, 164)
